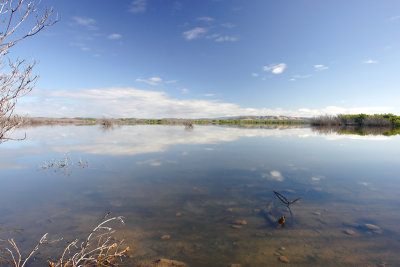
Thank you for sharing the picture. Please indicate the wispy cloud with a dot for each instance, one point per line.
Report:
(254, 74)
(275, 68)
(226, 39)
(86, 22)
(138, 6)
(298, 76)
(81, 46)
(320, 67)
(370, 61)
(194, 33)
(151, 80)
(171, 81)
(206, 19)
(394, 18)
(114, 36)
(208, 95)
(185, 91)
(228, 25)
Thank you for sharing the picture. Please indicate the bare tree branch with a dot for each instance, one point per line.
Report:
(16, 78)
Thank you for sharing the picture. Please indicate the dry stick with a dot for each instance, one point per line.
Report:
(285, 201)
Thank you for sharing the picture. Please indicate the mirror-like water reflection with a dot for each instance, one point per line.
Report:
(205, 196)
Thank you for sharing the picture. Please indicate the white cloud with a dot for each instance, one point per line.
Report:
(298, 76)
(138, 6)
(320, 67)
(185, 91)
(208, 95)
(273, 175)
(370, 61)
(86, 22)
(151, 80)
(137, 103)
(226, 39)
(254, 74)
(194, 33)
(114, 36)
(275, 69)
(207, 19)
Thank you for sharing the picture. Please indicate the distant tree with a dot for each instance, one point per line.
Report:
(16, 78)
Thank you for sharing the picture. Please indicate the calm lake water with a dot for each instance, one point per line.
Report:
(193, 184)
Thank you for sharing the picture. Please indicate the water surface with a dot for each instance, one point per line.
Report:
(192, 184)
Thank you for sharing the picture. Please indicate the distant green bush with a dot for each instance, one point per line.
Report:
(361, 120)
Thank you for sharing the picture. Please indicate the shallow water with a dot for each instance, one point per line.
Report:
(193, 184)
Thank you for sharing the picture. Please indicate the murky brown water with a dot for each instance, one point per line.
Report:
(193, 185)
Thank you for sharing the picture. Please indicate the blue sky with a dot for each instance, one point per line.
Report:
(205, 58)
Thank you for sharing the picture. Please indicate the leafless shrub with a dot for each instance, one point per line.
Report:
(326, 120)
(16, 78)
(107, 123)
(99, 249)
(64, 165)
(189, 124)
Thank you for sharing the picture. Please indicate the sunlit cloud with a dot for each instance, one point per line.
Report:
(138, 6)
(114, 36)
(151, 80)
(137, 103)
(320, 67)
(370, 61)
(194, 33)
(275, 69)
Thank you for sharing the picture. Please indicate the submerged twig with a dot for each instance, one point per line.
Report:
(285, 201)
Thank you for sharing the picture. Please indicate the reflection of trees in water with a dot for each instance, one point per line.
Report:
(386, 131)
(266, 126)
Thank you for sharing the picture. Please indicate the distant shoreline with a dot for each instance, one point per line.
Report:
(38, 121)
